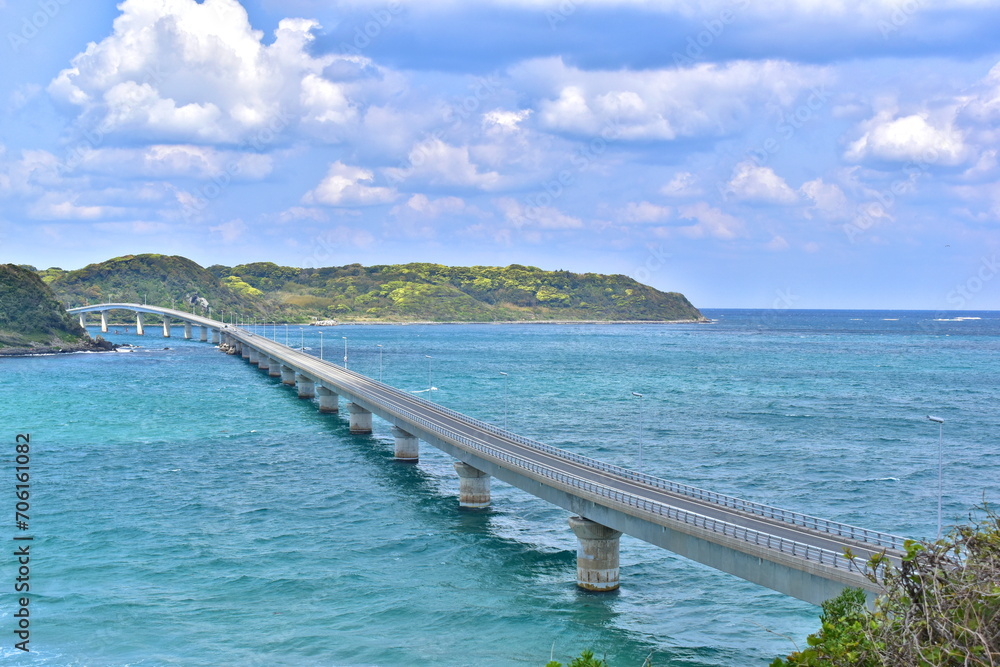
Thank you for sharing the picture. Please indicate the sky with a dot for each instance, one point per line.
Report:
(779, 154)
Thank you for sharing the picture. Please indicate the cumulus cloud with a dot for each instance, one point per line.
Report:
(420, 205)
(504, 121)
(345, 185)
(709, 221)
(543, 217)
(665, 104)
(230, 231)
(181, 160)
(180, 70)
(915, 137)
(683, 184)
(828, 200)
(644, 212)
(754, 183)
(437, 163)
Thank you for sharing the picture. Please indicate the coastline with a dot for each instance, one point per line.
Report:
(49, 350)
(334, 323)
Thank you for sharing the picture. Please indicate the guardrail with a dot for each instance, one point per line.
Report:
(749, 535)
(862, 535)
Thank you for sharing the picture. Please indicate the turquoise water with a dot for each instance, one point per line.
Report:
(189, 510)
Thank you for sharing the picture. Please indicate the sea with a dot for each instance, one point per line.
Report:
(186, 509)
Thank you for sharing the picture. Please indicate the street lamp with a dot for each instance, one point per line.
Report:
(640, 429)
(430, 384)
(321, 346)
(504, 400)
(286, 335)
(345, 351)
(940, 423)
(379, 362)
(302, 345)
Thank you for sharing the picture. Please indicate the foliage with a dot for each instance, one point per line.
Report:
(940, 607)
(30, 313)
(586, 659)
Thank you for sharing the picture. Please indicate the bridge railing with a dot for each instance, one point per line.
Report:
(863, 535)
(749, 535)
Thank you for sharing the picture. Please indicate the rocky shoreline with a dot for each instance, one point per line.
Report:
(333, 323)
(98, 345)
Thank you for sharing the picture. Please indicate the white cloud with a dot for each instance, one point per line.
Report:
(296, 213)
(827, 199)
(420, 205)
(543, 217)
(230, 231)
(504, 121)
(916, 137)
(66, 206)
(183, 160)
(344, 185)
(683, 184)
(434, 162)
(704, 100)
(754, 183)
(709, 221)
(644, 212)
(180, 70)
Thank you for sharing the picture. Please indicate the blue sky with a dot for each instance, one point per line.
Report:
(789, 154)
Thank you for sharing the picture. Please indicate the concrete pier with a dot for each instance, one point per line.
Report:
(204, 334)
(104, 321)
(254, 357)
(305, 386)
(138, 325)
(596, 555)
(287, 375)
(83, 320)
(407, 445)
(473, 486)
(328, 400)
(187, 331)
(263, 361)
(361, 419)
(273, 367)
(215, 336)
(245, 353)
(166, 328)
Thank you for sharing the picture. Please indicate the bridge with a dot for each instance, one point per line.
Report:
(793, 553)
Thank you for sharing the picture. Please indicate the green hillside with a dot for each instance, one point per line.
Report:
(389, 293)
(31, 316)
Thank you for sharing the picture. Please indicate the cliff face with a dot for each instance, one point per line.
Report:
(31, 317)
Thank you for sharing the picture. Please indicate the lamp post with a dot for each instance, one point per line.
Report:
(286, 335)
(504, 400)
(321, 346)
(379, 362)
(345, 351)
(940, 423)
(430, 384)
(640, 429)
(302, 345)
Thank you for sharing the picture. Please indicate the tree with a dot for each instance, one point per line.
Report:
(940, 608)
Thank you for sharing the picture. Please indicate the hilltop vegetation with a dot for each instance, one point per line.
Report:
(404, 292)
(30, 315)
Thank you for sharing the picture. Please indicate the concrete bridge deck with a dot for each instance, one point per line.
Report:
(790, 552)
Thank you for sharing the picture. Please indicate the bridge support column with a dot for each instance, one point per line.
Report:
(83, 320)
(273, 367)
(305, 386)
(473, 486)
(166, 328)
(407, 445)
(245, 353)
(596, 555)
(254, 357)
(361, 419)
(138, 325)
(287, 375)
(328, 400)
(215, 336)
(187, 331)
(204, 334)
(104, 321)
